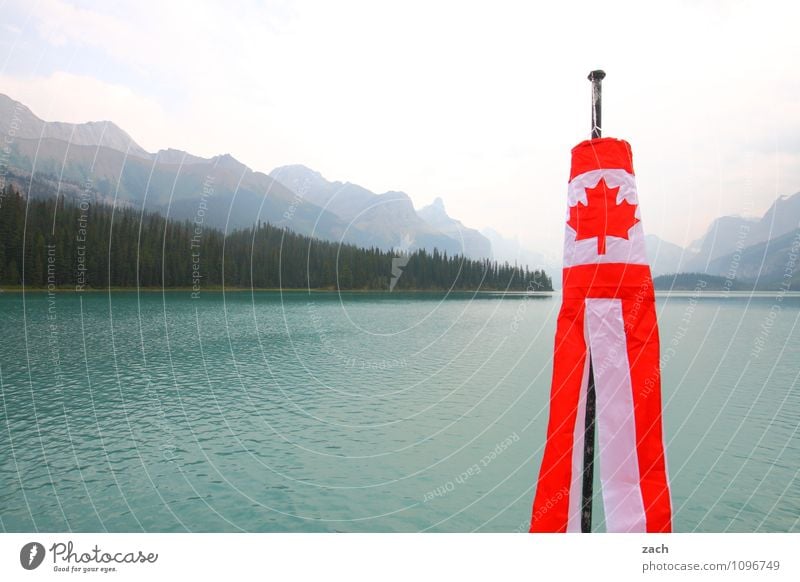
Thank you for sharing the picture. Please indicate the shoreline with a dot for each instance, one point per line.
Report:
(708, 293)
(20, 289)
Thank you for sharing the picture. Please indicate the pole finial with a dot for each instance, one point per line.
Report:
(597, 75)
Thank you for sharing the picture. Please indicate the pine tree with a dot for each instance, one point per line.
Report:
(126, 247)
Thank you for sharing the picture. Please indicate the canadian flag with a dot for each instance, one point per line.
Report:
(608, 315)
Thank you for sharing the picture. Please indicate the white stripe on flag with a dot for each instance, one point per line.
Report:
(616, 428)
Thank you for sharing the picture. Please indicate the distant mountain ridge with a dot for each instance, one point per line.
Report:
(26, 125)
(665, 257)
(473, 242)
(102, 161)
(754, 252)
(389, 217)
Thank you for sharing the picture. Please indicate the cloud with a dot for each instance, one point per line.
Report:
(185, 41)
(477, 104)
(61, 22)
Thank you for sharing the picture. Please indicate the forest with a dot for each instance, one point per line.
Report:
(89, 245)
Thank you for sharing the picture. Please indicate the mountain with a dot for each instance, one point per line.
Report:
(126, 248)
(101, 162)
(697, 282)
(781, 218)
(768, 265)
(345, 200)
(729, 234)
(235, 195)
(510, 250)
(94, 133)
(385, 220)
(473, 243)
(748, 252)
(173, 156)
(772, 264)
(721, 238)
(665, 257)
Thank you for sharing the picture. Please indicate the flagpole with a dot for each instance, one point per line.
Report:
(596, 77)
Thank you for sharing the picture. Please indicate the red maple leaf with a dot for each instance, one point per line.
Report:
(601, 216)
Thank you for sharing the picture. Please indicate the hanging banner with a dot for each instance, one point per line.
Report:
(608, 314)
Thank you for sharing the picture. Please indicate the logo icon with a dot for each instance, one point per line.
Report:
(31, 555)
(401, 260)
(600, 216)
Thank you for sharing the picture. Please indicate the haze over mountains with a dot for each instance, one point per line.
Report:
(474, 242)
(386, 220)
(759, 251)
(93, 133)
(101, 161)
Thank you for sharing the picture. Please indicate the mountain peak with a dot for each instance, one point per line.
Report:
(227, 161)
(180, 157)
(91, 133)
(301, 197)
(296, 170)
(435, 212)
(473, 243)
(395, 195)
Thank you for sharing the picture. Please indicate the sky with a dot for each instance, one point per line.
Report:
(479, 103)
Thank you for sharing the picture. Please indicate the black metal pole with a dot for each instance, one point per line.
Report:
(596, 77)
(588, 453)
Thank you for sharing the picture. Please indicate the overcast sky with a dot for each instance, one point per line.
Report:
(478, 103)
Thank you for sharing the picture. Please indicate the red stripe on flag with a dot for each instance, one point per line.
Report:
(551, 503)
(608, 280)
(607, 153)
(641, 331)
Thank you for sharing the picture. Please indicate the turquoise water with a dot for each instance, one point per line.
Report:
(362, 412)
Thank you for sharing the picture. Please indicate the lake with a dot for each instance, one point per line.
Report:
(291, 411)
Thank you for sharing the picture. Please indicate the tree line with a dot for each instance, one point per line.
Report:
(91, 245)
